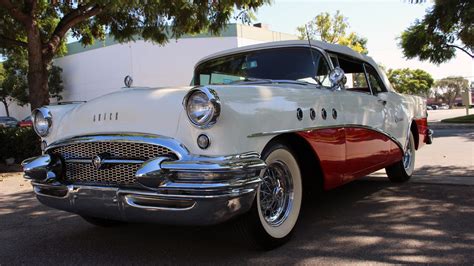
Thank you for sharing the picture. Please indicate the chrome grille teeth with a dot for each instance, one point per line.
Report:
(113, 175)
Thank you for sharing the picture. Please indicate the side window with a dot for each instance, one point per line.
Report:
(375, 81)
(355, 75)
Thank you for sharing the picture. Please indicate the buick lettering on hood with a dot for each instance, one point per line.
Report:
(260, 126)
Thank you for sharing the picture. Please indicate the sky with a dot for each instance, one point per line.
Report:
(380, 21)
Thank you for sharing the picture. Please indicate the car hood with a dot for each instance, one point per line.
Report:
(136, 110)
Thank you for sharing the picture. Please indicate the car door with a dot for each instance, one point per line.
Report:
(364, 117)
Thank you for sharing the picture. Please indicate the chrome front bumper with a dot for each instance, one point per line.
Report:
(169, 191)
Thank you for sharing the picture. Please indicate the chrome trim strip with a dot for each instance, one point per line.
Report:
(129, 201)
(277, 132)
(105, 161)
(163, 193)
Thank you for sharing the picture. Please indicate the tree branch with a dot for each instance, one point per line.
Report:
(7, 42)
(70, 20)
(460, 48)
(15, 12)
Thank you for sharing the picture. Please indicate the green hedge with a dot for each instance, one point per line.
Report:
(19, 143)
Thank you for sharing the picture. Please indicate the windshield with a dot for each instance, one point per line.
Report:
(272, 64)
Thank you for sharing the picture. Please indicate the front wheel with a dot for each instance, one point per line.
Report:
(402, 171)
(276, 208)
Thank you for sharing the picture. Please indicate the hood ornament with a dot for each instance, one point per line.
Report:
(128, 81)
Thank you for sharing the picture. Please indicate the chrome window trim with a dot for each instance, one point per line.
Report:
(277, 132)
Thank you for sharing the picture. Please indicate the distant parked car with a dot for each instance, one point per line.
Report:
(428, 107)
(7, 121)
(27, 122)
(434, 106)
(443, 107)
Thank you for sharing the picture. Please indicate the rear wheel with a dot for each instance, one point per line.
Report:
(402, 171)
(276, 208)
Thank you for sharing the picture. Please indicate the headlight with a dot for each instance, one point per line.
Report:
(42, 121)
(202, 107)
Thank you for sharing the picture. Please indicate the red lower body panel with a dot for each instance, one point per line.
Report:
(348, 153)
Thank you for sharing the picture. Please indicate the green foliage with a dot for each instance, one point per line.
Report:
(469, 119)
(15, 83)
(448, 26)
(451, 87)
(19, 143)
(410, 81)
(333, 30)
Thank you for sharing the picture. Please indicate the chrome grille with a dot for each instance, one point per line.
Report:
(114, 174)
(117, 150)
(120, 174)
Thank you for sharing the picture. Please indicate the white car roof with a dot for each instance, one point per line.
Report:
(328, 47)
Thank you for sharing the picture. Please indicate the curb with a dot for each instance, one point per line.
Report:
(439, 125)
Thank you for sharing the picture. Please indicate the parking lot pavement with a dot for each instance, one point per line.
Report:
(368, 221)
(438, 115)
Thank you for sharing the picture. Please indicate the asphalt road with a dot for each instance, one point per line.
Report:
(367, 221)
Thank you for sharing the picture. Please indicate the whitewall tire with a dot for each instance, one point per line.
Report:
(277, 204)
(403, 170)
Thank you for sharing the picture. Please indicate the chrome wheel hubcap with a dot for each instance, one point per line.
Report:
(276, 193)
(407, 156)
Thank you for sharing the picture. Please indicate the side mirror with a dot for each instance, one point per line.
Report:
(337, 78)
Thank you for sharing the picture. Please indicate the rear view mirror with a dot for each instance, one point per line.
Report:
(337, 78)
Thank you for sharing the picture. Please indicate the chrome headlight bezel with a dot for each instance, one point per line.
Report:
(46, 118)
(213, 100)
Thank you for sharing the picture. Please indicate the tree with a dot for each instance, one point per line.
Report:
(14, 84)
(451, 87)
(332, 30)
(410, 81)
(40, 27)
(447, 26)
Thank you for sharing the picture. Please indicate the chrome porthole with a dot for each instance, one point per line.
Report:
(324, 114)
(276, 193)
(299, 114)
(312, 114)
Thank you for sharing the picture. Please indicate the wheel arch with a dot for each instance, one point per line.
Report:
(306, 157)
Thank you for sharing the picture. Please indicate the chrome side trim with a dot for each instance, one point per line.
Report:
(277, 132)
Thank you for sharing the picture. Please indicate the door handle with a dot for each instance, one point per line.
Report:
(383, 102)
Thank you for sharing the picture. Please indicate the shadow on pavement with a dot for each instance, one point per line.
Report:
(365, 221)
(445, 171)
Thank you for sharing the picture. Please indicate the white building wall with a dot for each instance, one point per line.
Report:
(93, 73)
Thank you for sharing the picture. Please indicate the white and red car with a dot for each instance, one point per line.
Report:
(260, 125)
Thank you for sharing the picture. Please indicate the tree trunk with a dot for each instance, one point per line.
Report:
(4, 101)
(37, 70)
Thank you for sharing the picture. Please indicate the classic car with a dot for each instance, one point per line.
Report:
(7, 121)
(259, 126)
